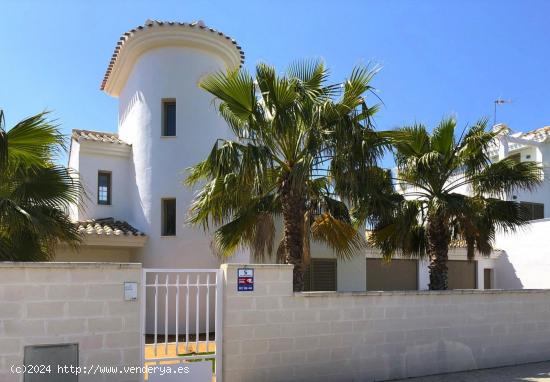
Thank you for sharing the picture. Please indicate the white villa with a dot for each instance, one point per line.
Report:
(135, 203)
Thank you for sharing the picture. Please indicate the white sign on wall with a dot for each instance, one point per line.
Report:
(245, 280)
(130, 291)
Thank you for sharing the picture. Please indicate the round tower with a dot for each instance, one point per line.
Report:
(171, 124)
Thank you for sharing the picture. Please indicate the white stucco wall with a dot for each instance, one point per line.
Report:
(159, 163)
(73, 165)
(88, 164)
(423, 274)
(525, 262)
(352, 274)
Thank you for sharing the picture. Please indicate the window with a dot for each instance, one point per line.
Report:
(169, 118)
(168, 217)
(320, 275)
(533, 210)
(104, 187)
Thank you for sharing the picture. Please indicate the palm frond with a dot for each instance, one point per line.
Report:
(35, 193)
(296, 134)
(338, 235)
(506, 176)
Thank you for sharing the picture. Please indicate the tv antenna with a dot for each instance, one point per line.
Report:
(499, 101)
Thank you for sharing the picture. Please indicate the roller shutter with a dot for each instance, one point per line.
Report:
(462, 274)
(398, 274)
(320, 275)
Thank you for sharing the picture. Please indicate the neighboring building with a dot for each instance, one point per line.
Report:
(531, 146)
(525, 262)
(135, 204)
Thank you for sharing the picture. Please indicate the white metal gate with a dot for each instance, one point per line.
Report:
(179, 306)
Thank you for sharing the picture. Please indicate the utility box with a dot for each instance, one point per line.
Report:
(51, 363)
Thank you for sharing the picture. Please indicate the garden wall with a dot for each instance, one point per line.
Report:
(525, 261)
(273, 334)
(55, 303)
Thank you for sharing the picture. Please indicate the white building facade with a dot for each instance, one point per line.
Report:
(166, 124)
(135, 205)
(525, 261)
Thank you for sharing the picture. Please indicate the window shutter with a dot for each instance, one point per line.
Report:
(538, 211)
(320, 275)
(533, 210)
(323, 274)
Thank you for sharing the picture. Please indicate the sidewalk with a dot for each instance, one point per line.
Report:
(531, 372)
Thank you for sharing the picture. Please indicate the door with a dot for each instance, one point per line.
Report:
(487, 278)
(182, 320)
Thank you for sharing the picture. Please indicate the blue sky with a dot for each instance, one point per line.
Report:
(438, 57)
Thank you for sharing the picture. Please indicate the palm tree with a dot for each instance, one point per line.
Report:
(450, 189)
(35, 193)
(298, 142)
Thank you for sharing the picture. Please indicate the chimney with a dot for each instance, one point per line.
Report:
(501, 128)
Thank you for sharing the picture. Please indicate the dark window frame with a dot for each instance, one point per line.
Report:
(168, 229)
(165, 129)
(109, 200)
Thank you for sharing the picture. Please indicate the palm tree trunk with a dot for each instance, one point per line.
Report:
(293, 219)
(437, 250)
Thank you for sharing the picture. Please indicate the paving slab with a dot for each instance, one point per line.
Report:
(530, 372)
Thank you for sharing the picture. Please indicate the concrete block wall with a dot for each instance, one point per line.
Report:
(53, 303)
(273, 334)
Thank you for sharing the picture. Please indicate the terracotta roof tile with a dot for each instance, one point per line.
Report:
(156, 23)
(97, 136)
(538, 134)
(108, 227)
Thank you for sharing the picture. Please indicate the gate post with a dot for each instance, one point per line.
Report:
(142, 301)
(219, 325)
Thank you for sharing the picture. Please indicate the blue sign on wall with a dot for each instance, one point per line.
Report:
(245, 280)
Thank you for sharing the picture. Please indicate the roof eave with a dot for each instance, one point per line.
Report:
(103, 240)
(134, 43)
(104, 148)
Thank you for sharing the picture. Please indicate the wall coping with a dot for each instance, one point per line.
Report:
(264, 266)
(69, 265)
(420, 292)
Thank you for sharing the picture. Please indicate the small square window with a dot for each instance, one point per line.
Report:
(168, 217)
(320, 275)
(104, 188)
(169, 118)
